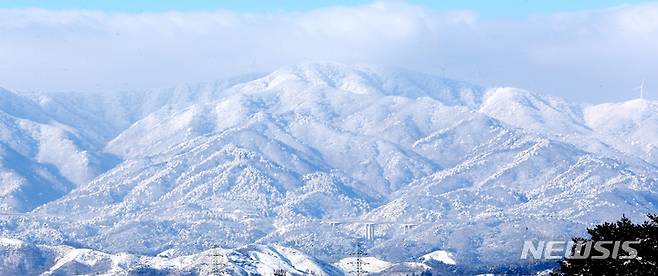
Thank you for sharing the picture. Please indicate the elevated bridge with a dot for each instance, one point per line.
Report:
(369, 225)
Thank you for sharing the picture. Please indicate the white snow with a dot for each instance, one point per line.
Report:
(11, 242)
(245, 260)
(270, 159)
(440, 256)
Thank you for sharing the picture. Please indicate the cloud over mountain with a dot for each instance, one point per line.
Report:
(597, 55)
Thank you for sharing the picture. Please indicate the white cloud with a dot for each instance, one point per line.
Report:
(587, 56)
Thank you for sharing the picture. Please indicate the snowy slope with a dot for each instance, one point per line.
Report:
(527, 110)
(274, 159)
(529, 188)
(630, 126)
(626, 130)
(52, 143)
(439, 256)
(103, 115)
(20, 258)
(41, 159)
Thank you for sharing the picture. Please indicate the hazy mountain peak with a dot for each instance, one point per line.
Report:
(369, 81)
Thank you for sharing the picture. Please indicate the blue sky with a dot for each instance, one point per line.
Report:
(506, 8)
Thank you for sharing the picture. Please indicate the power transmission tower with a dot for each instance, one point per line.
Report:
(358, 263)
(217, 263)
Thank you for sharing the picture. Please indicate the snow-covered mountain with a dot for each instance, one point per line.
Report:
(42, 158)
(624, 131)
(631, 126)
(305, 155)
(21, 258)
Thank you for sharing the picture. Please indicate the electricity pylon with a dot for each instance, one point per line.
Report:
(358, 263)
(217, 263)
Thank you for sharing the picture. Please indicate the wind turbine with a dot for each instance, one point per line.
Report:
(641, 88)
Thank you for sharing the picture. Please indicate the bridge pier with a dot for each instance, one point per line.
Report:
(370, 231)
(407, 227)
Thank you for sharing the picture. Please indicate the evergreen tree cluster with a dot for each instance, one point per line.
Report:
(646, 262)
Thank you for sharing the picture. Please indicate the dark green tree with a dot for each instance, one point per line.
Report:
(646, 262)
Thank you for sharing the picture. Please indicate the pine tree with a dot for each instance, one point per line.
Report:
(646, 262)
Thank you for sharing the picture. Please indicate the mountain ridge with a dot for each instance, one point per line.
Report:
(275, 158)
